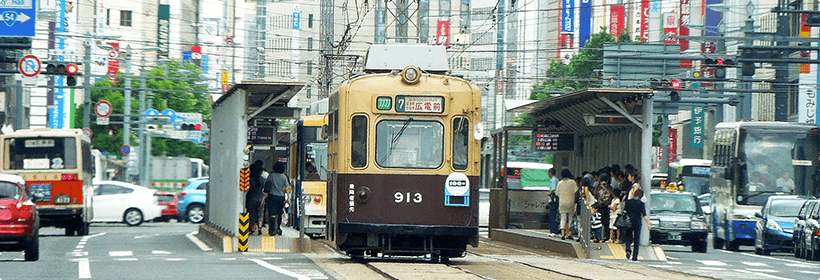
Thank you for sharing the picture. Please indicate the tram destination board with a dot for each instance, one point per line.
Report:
(553, 141)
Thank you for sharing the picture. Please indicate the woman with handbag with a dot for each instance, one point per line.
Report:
(275, 189)
(636, 211)
(566, 201)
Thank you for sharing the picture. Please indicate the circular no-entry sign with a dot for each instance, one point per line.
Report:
(103, 108)
(125, 149)
(29, 66)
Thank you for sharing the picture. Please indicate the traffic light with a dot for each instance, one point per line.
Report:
(719, 65)
(190, 126)
(63, 68)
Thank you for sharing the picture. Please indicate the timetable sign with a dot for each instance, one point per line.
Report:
(553, 141)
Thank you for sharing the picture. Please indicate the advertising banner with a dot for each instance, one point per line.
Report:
(443, 33)
(584, 17)
(644, 20)
(568, 16)
(698, 126)
(616, 21)
(164, 31)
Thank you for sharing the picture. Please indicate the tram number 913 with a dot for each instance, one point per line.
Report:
(400, 197)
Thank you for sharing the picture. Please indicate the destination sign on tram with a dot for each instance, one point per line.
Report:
(553, 141)
(419, 104)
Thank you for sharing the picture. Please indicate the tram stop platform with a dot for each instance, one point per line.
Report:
(289, 241)
(543, 239)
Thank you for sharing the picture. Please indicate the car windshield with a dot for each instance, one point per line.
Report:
(9, 191)
(673, 203)
(785, 207)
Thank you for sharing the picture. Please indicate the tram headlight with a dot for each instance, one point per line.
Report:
(411, 74)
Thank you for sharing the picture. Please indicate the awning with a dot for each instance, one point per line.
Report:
(267, 100)
(567, 111)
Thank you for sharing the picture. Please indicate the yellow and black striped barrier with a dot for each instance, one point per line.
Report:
(244, 179)
(244, 232)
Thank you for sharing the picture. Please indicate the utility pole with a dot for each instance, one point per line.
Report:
(126, 111)
(87, 82)
(141, 160)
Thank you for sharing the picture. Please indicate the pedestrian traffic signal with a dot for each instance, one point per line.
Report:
(719, 65)
(63, 68)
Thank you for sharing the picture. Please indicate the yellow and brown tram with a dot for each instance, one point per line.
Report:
(403, 157)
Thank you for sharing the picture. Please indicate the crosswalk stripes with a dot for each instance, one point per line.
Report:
(712, 263)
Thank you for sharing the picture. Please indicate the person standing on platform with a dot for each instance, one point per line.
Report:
(566, 201)
(275, 197)
(253, 198)
(636, 210)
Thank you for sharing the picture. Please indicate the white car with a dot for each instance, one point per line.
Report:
(123, 202)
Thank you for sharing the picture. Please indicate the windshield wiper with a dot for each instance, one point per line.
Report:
(759, 193)
(396, 138)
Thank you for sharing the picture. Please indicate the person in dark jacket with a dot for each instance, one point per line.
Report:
(275, 197)
(253, 198)
(636, 210)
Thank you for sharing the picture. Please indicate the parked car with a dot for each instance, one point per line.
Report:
(131, 204)
(192, 197)
(19, 219)
(677, 218)
(775, 223)
(169, 201)
(803, 217)
(809, 239)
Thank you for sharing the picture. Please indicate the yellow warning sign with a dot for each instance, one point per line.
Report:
(243, 231)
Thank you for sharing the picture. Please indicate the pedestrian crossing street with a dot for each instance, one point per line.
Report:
(770, 268)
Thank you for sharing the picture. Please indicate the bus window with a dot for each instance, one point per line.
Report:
(42, 153)
(461, 133)
(358, 141)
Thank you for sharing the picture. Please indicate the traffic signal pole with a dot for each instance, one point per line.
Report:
(87, 82)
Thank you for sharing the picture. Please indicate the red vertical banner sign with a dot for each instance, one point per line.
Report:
(684, 31)
(113, 63)
(443, 33)
(805, 31)
(670, 28)
(673, 145)
(644, 20)
(616, 20)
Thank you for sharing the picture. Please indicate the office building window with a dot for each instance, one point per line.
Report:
(125, 18)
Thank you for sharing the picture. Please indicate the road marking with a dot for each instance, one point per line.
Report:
(127, 259)
(674, 262)
(798, 265)
(280, 270)
(120, 253)
(712, 268)
(84, 269)
(175, 259)
(762, 270)
(808, 272)
(754, 264)
(778, 259)
(713, 263)
(660, 266)
(202, 246)
(157, 252)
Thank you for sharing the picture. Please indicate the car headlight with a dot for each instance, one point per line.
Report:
(772, 225)
(655, 223)
(698, 225)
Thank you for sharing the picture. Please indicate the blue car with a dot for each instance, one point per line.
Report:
(191, 205)
(775, 223)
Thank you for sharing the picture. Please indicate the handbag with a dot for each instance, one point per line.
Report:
(623, 221)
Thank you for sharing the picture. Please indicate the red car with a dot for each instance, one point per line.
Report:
(19, 219)
(170, 201)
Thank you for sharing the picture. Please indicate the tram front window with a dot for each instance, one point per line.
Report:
(315, 168)
(409, 144)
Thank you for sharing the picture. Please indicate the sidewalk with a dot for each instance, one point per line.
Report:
(543, 239)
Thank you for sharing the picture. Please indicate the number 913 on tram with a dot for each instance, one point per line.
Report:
(403, 156)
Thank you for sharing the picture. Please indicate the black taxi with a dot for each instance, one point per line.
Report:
(676, 218)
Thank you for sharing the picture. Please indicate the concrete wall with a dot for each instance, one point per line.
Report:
(229, 136)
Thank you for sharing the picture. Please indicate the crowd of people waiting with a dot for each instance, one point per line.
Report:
(607, 192)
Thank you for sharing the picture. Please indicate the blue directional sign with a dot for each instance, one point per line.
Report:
(18, 17)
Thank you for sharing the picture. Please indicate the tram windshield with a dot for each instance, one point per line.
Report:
(315, 168)
(776, 163)
(409, 144)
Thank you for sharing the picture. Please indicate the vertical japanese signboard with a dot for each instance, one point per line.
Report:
(673, 145)
(584, 18)
(443, 33)
(616, 19)
(684, 31)
(698, 125)
(567, 16)
(164, 31)
(670, 28)
(113, 63)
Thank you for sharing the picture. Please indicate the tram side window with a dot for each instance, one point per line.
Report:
(461, 133)
(358, 142)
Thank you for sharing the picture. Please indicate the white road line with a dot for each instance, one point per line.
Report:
(712, 263)
(711, 268)
(674, 263)
(157, 252)
(778, 259)
(127, 259)
(798, 265)
(280, 270)
(120, 253)
(762, 270)
(808, 272)
(202, 246)
(754, 263)
(84, 268)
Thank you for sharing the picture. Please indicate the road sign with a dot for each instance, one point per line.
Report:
(87, 132)
(29, 65)
(103, 120)
(18, 17)
(103, 109)
(125, 149)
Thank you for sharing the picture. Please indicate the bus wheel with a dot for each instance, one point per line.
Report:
(717, 243)
(732, 245)
(82, 228)
(70, 229)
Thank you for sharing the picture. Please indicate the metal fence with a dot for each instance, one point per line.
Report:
(584, 223)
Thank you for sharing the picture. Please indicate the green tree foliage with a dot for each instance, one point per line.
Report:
(580, 72)
(173, 87)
